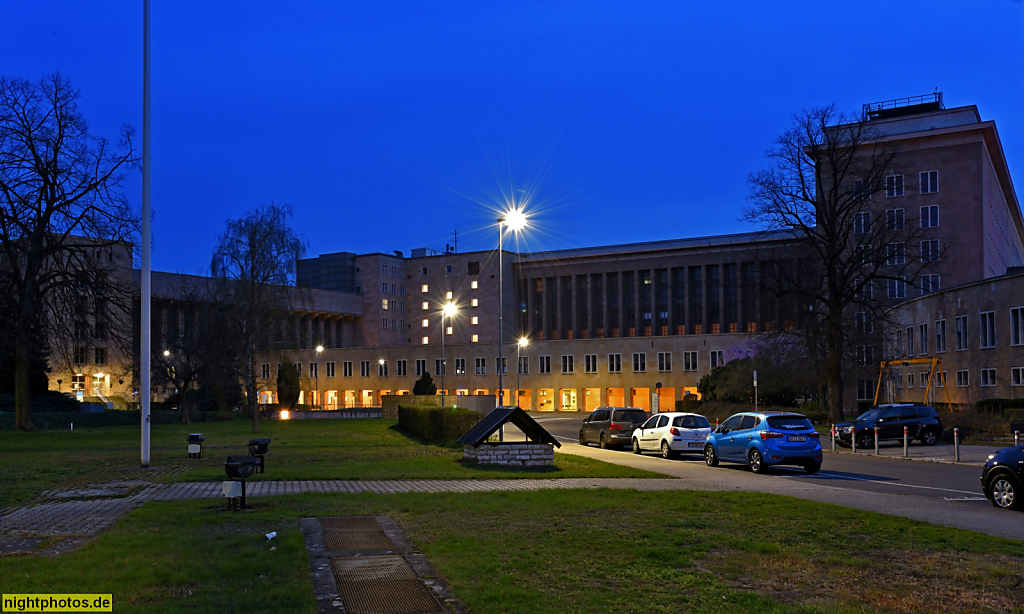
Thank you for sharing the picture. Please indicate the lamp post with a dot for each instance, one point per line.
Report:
(316, 373)
(516, 221)
(447, 311)
(523, 342)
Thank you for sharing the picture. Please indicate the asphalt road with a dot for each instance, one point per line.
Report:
(930, 477)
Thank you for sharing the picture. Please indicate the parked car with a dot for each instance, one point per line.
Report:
(922, 422)
(761, 439)
(672, 433)
(1002, 478)
(611, 426)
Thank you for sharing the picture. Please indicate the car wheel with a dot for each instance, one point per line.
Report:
(1005, 492)
(756, 462)
(812, 467)
(583, 441)
(709, 456)
(666, 452)
(865, 439)
(603, 442)
(636, 446)
(929, 437)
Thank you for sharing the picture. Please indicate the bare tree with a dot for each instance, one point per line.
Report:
(823, 185)
(62, 212)
(259, 253)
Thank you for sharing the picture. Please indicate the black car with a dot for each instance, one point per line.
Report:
(922, 422)
(1003, 476)
(611, 426)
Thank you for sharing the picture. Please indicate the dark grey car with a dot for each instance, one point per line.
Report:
(611, 426)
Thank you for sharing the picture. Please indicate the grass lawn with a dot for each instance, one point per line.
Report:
(370, 449)
(553, 551)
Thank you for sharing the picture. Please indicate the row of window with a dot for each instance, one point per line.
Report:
(897, 288)
(81, 355)
(390, 270)
(896, 253)
(590, 365)
(473, 285)
(986, 333)
(472, 268)
(928, 184)
(387, 288)
(895, 219)
(988, 378)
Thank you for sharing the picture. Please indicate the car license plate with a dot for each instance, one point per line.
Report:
(796, 438)
(694, 444)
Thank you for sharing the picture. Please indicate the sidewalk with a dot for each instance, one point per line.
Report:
(939, 453)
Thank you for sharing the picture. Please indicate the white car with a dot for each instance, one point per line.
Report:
(672, 433)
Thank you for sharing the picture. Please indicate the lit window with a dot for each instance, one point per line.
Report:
(475, 302)
(384, 303)
(476, 338)
(426, 305)
(475, 320)
(424, 288)
(425, 322)
(426, 340)
(448, 330)
(448, 295)
(473, 285)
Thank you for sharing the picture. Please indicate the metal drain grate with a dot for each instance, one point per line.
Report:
(382, 585)
(359, 533)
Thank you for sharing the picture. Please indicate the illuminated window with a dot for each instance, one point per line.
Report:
(475, 303)
(425, 322)
(473, 285)
(426, 340)
(384, 303)
(424, 288)
(448, 295)
(476, 338)
(448, 330)
(475, 320)
(426, 305)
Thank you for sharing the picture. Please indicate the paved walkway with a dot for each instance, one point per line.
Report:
(85, 510)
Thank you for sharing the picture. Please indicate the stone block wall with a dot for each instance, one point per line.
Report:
(520, 454)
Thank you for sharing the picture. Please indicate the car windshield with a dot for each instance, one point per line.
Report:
(871, 414)
(791, 423)
(695, 422)
(628, 415)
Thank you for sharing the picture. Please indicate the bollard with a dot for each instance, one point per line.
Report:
(1016, 438)
(876, 441)
(853, 438)
(905, 442)
(833, 438)
(956, 445)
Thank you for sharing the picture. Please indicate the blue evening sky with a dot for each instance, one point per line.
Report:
(390, 125)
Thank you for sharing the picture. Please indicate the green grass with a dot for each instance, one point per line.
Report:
(553, 551)
(371, 449)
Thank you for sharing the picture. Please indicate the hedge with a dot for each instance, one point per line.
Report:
(436, 423)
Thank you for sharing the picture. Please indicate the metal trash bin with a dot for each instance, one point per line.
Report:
(195, 445)
(258, 448)
(238, 468)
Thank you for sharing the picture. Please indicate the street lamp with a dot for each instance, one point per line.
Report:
(515, 219)
(316, 373)
(523, 342)
(447, 311)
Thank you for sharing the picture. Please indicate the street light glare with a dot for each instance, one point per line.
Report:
(515, 219)
(319, 348)
(449, 310)
(523, 342)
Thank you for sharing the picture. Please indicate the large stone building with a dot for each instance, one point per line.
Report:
(607, 325)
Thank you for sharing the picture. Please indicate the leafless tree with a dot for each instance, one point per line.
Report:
(62, 213)
(259, 253)
(826, 185)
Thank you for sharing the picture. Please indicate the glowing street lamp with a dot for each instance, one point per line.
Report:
(319, 349)
(449, 310)
(523, 342)
(515, 220)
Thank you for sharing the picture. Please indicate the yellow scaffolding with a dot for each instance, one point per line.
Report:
(885, 375)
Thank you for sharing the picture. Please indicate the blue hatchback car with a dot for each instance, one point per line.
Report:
(762, 439)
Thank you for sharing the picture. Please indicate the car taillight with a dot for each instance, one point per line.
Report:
(614, 427)
(769, 435)
(674, 431)
(814, 435)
